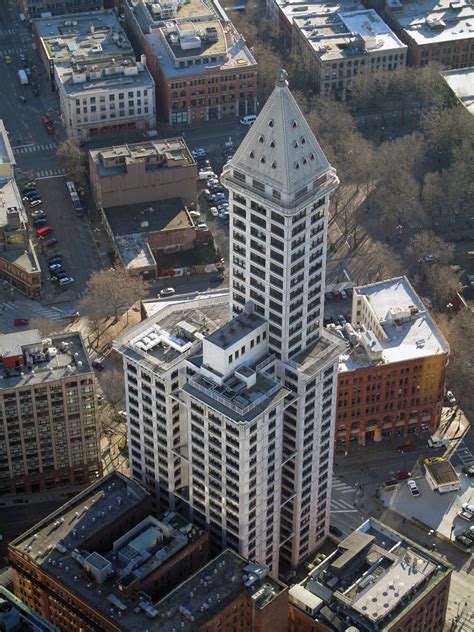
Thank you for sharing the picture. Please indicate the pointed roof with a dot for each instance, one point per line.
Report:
(280, 149)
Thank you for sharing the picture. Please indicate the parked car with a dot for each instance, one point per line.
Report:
(22, 99)
(433, 459)
(450, 397)
(335, 531)
(30, 193)
(7, 59)
(213, 211)
(201, 226)
(55, 267)
(166, 291)
(97, 365)
(21, 322)
(55, 259)
(66, 280)
(36, 202)
(329, 296)
(195, 213)
(413, 487)
(406, 447)
(468, 470)
(28, 189)
(52, 241)
(38, 213)
(401, 476)
(43, 232)
(466, 512)
(40, 221)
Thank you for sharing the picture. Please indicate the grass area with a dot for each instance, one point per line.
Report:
(201, 254)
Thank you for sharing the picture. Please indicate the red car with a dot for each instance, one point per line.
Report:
(407, 447)
(48, 123)
(401, 476)
(42, 232)
(20, 322)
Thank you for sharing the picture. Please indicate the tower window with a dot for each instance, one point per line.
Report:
(252, 155)
(272, 144)
(274, 165)
(261, 139)
(270, 123)
(294, 124)
(262, 160)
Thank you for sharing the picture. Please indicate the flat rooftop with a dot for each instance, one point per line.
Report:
(461, 82)
(45, 359)
(10, 198)
(406, 329)
(135, 252)
(433, 22)
(25, 259)
(148, 217)
(156, 154)
(442, 472)
(83, 37)
(6, 153)
(369, 580)
(316, 356)
(113, 75)
(235, 329)
(212, 588)
(184, 323)
(341, 29)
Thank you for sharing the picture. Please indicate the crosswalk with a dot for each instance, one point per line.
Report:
(6, 32)
(338, 505)
(11, 51)
(342, 488)
(50, 173)
(31, 310)
(26, 149)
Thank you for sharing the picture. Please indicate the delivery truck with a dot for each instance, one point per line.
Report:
(23, 77)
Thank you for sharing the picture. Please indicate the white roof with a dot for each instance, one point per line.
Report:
(280, 150)
(461, 83)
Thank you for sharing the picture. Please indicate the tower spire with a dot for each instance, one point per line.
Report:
(282, 78)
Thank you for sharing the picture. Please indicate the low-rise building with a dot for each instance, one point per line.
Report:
(101, 86)
(39, 8)
(19, 263)
(442, 477)
(201, 64)
(461, 84)
(391, 380)
(143, 172)
(49, 432)
(102, 562)
(7, 159)
(377, 579)
(439, 32)
(338, 39)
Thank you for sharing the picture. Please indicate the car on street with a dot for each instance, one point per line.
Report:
(468, 470)
(54, 267)
(433, 459)
(213, 211)
(201, 226)
(52, 241)
(97, 365)
(194, 213)
(29, 194)
(22, 99)
(335, 531)
(40, 221)
(48, 124)
(402, 476)
(36, 202)
(466, 512)
(166, 291)
(450, 397)
(43, 232)
(7, 59)
(66, 280)
(38, 213)
(54, 259)
(21, 322)
(406, 447)
(29, 189)
(329, 296)
(413, 487)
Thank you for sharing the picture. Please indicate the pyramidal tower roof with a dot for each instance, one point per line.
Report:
(280, 151)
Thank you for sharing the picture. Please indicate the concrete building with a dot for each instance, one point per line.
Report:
(102, 88)
(439, 32)
(246, 407)
(44, 8)
(48, 428)
(7, 159)
(376, 580)
(392, 376)
(461, 84)
(149, 171)
(19, 263)
(202, 67)
(15, 616)
(102, 562)
(442, 477)
(337, 40)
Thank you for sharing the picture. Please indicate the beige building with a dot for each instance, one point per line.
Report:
(7, 160)
(48, 426)
(337, 40)
(143, 172)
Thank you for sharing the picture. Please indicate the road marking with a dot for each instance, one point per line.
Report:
(341, 504)
(335, 511)
(50, 173)
(24, 149)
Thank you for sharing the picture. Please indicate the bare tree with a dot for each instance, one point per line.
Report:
(72, 158)
(113, 388)
(427, 247)
(46, 326)
(443, 283)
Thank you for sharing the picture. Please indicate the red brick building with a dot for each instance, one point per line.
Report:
(391, 380)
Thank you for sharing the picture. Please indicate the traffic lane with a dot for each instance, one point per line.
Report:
(14, 114)
(75, 239)
(187, 284)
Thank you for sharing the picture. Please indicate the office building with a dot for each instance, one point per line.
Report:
(202, 67)
(247, 404)
(438, 32)
(376, 580)
(15, 616)
(38, 8)
(102, 562)
(102, 88)
(149, 171)
(19, 264)
(337, 40)
(49, 434)
(391, 379)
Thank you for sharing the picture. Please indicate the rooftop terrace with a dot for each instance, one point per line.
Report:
(44, 359)
(369, 579)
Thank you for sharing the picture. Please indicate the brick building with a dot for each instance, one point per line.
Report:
(48, 426)
(103, 563)
(391, 379)
(202, 67)
(376, 580)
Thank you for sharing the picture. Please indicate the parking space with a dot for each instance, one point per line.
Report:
(75, 244)
(337, 305)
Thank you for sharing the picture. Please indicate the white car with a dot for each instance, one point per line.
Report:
(213, 211)
(413, 487)
(167, 291)
(201, 226)
(195, 213)
(66, 280)
(466, 512)
(450, 397)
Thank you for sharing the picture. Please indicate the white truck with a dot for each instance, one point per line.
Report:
(23, 77)
(438, 443)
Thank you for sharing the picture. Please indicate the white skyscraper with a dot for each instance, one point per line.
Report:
(249, 452)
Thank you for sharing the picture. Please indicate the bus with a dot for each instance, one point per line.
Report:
(75, 199)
